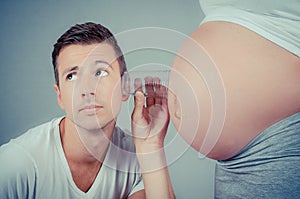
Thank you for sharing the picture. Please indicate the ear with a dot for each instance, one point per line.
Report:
(125, 86)
(58, 94)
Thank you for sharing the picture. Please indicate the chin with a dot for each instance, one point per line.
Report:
(88, 123)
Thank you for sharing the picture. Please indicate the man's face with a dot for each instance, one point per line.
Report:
(90, 86)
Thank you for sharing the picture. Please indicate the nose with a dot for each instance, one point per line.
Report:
(87, 88)
(87, 94)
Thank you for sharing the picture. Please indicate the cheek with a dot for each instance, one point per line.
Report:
(69, 97)
(67, 101)
(116, 98)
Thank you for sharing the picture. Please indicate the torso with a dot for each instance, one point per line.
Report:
(84, 176)
(261, 82)
(41, 164)
(83, 166)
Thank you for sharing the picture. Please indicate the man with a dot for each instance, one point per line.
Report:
(84, 154)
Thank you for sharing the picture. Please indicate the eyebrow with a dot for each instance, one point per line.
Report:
(102, 62)
(69, 69)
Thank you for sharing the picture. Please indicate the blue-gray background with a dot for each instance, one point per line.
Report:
(30, 28)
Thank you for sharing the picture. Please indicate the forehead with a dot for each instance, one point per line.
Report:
(79, 55)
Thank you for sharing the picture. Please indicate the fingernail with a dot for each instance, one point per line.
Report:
(139, 94)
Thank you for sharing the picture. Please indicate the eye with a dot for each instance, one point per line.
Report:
(101, 73)
(71, 77)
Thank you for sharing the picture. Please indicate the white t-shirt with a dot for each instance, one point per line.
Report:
(275, 20)
(34, 166)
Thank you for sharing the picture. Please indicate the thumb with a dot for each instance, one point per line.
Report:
(139, 101)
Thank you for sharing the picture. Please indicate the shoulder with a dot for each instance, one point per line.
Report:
(121, 154)
(14, 157)
(41, 131)
(17, 170)
(37, 138)
(123, 139)
(22, 160)
(24, 151)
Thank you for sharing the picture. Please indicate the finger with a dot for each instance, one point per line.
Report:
(164, 96)
(164, 103)
(150, 100)
(139, 101)
(158, 96)
(138, 85)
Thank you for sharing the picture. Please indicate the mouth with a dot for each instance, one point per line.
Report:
(90, 109)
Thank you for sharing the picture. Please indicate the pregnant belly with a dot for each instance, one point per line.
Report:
(229, 87)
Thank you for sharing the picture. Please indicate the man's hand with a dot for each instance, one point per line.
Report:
(149, 126)
(150, 122)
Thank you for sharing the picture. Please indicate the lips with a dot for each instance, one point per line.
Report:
(91, 108)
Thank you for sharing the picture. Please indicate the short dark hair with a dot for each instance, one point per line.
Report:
(85, 34)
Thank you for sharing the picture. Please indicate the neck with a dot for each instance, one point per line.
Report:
(83, 146)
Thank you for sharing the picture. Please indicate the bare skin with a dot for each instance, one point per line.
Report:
(83, 165)
(261, 82)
